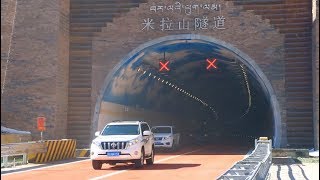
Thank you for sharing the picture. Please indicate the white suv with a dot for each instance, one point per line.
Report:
(166, 137)
(121, 142)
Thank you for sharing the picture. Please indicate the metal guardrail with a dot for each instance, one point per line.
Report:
(255, 166)
(20, 149)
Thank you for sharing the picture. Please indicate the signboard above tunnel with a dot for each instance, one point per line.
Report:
(197, 16)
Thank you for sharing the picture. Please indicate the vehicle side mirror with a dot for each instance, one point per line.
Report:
(146, 133)
(97, 133)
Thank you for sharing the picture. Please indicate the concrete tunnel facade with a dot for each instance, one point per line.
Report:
(59, 69)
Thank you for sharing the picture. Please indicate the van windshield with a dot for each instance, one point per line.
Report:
(121, 130)
(161, 130)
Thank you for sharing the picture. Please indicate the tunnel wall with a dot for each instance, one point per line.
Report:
(315, 46)
(37, 70)
(243, 30)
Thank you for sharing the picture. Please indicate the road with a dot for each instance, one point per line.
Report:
(206, 162)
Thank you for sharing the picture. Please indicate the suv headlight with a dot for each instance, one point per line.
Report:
(168, 137)
(97, 143)
(132, 142)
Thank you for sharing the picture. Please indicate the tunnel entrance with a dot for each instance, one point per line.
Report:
(204, 87)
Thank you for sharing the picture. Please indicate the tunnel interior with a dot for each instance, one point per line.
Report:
(203, 90)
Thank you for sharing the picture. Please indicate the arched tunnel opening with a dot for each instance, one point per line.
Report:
(202, 88)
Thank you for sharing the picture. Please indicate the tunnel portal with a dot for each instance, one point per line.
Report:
(198, 86)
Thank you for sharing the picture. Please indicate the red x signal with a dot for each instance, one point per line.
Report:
(211, 64)
(164, 66)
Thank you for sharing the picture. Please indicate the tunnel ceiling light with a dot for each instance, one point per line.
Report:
(182, 90)
(248, 90)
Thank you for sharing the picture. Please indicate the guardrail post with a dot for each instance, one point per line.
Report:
(5, 161)
(24, 158)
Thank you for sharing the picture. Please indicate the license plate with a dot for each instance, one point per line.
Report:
(158, 143)
(113, 153)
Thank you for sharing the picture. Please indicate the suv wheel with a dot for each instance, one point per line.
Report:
(96, 164)
(139, 162)
(151, 158)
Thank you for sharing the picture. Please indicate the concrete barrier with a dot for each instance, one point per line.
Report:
(15, 138)
(20, 149)
(57, 150)
(290, 153)
(82, 152)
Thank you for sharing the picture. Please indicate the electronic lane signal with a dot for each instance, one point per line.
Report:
(164, 66)
(211, 64)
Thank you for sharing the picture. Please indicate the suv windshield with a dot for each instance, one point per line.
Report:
(161, 130)
(121, 130)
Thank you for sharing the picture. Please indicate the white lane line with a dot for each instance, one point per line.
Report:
(43, 167)
(161, 160)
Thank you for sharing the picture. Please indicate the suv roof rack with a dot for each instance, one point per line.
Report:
(117, 120)
(128, 120)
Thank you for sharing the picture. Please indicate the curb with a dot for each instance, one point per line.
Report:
(82, 152)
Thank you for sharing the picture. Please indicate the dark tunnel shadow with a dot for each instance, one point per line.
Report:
(241, 106)
(206, 150)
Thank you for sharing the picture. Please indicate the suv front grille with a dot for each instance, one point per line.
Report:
(113, 145)
(158, 138)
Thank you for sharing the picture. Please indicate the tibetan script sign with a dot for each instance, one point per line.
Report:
(187, 9)
(192, 21)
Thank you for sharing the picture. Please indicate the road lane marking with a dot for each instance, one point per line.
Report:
(22, 171)
(161, 160)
